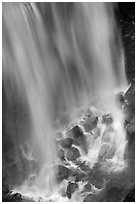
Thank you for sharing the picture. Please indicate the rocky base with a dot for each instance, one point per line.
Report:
(101, 181)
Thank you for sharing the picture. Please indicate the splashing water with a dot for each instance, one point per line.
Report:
(58, 58)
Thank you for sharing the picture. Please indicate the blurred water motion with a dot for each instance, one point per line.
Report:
(57, 58)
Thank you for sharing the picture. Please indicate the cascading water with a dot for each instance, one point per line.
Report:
(58, 59)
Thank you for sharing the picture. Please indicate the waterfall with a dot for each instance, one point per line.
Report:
(57, 58)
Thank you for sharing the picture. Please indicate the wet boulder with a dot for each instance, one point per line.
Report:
(130, 99)
(82, 143)
(78, 138)
(90, 123)
(78, 175)
(103, 150)
(130, 95)
(71, 188)
(83, 165)
(87, 187)
(120, 97)
(129, 111)
(61, 154)
(131, 125)
(110, 153)
(96, 178)
(66, 142)
(75, 132)
(16, 197)
(72, 154)
(63, 173)
(81, 176)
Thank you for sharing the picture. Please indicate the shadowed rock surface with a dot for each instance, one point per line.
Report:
(71, 189)
(130, 197)
(72, 154)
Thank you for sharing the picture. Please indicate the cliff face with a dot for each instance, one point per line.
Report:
(126, 20)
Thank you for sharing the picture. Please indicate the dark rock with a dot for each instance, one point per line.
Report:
(130, 94)
(90, 198)
(130, 148)
(107, 119)
(103, 150)
(78, 175)
(130, 197)
(85, 167)
(130, 99)
(72, 154)
(66, 142)
(63, 173)
(90, 123)
(106, 151)
(61, 155)
(131, 128)
(110, 153)
(82, 143)
(5, 190)
(17, 197)
(76, 132)
(87, 187)
(81, 176)
(129, 111)
(71, 189)
(120, 97)
(131, 125)
(96, 179)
